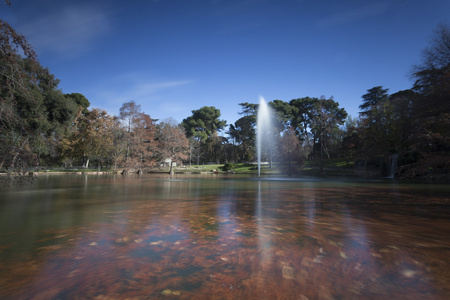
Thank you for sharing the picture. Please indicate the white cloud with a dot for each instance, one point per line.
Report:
(66, 32)
(354, 14)
(171, 109)
(148, 92)
(148, 88)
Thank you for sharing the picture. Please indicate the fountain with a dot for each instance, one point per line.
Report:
(392, 167)
(264, 127)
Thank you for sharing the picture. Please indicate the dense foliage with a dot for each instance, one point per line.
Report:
(202, 128)
(412, 124)
(34, 113)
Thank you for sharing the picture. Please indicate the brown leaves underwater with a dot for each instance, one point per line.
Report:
(282, 245)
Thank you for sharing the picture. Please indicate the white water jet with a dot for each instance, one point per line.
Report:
(263, 129)
(393, 166)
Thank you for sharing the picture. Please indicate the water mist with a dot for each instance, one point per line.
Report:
(263, 129)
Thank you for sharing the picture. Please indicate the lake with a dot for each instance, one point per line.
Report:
(224, 237)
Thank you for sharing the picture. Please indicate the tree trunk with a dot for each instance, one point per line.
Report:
(321, 159)
(128, 143)
(270, 162)
(171, 169)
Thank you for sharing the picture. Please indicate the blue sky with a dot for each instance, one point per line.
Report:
(174, 56)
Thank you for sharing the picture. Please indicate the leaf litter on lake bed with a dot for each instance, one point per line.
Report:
(320, 266)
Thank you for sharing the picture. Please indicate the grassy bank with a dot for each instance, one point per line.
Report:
(332, 167)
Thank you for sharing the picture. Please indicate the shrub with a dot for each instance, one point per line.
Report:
(229, 167)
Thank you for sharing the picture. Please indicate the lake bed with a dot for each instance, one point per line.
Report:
(224, 237)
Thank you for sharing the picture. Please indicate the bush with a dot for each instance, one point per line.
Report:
(229, 167)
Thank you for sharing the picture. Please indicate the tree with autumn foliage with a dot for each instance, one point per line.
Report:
(142, 142)
(172, 142)
(91, 139)
(139, 136)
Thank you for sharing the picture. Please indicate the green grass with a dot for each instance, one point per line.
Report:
(245, 168)
(240, 168)
(329, 163)
(187, 168)
(332, 167)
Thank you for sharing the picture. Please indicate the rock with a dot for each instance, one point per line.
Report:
(408, 273)
(287, 271)
(166, 292)
(318, 259)
(156, 243)
(122, 240)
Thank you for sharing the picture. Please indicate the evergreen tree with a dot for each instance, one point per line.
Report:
(374, 97)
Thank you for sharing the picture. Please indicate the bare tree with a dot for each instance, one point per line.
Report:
(437, 54)
(128, 113)
(173, 143)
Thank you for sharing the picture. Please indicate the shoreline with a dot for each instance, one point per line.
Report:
(445, 179)
(63, 173)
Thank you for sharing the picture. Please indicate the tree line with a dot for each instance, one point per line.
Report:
(413, 124)
(40, 125)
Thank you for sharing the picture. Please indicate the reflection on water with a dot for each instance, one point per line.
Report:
(115, 237)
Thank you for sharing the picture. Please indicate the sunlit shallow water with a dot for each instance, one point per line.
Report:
(223, 237)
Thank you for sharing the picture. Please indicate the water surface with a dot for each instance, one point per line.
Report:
(223, 237)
